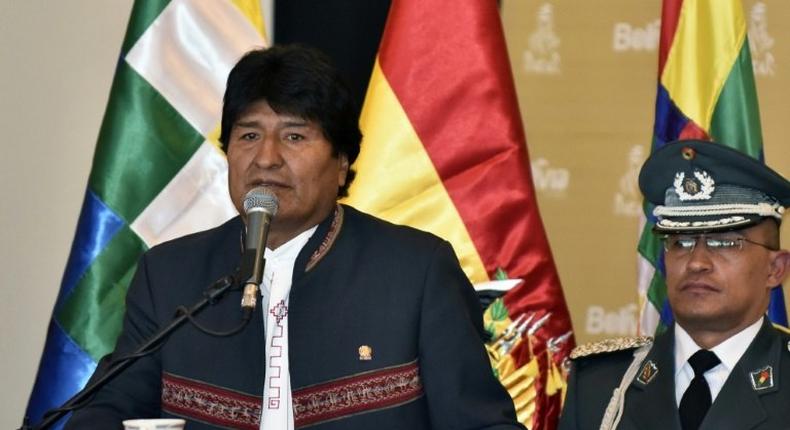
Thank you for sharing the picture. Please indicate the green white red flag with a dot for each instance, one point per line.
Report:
(157, 173)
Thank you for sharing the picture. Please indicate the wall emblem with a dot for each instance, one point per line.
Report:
(542, 56)
(628, 199)
(628, 37)
(760, 42)
(611, 322)
(554, 180)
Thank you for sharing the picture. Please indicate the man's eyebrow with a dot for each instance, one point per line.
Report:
(288, 123)
(248, 123)
(296, 123)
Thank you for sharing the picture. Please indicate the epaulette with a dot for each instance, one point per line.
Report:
(610, 345)
(782, 328)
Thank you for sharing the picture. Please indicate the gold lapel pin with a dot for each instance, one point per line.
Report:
(365, 353)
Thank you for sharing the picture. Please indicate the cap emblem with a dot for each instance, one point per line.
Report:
(700, 187)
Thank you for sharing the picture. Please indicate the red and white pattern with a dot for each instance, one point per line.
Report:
(361, 393)
(336, 399)
(210, 404)
(329, 239)
(275, 363)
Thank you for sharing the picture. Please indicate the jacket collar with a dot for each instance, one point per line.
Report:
(740, 393)
(316, 248)
(652, 405)
(320, 242)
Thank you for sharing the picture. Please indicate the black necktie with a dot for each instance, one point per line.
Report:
(696, 400)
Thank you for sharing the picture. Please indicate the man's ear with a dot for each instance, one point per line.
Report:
(779, 267)
(342, 173)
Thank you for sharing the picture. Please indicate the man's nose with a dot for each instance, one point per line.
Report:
(700, 259)
(268, 154)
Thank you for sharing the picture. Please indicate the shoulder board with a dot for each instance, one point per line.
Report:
(781, 328)
(610, 345)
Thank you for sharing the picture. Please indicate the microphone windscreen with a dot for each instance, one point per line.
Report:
(261, 198)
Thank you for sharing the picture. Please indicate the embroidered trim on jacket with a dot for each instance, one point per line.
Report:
(357, 394)
(327, 401)
(329, 239)
(209, 403)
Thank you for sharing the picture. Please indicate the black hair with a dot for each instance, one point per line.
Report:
(300, 81)
(774, 233)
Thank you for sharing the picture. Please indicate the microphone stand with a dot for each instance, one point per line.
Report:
(210, 296)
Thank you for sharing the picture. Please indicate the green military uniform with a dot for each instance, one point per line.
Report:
(649, 401)
(698, 188)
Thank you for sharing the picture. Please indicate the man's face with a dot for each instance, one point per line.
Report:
(724, 291)
(290, 156)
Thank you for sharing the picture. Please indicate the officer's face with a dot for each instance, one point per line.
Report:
(725, 291)
(291, 157)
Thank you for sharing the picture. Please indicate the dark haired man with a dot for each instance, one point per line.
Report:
(364, 324)
(722, 365)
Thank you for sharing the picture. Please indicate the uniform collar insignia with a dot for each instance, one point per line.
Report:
(700, 187)
(648, 372)
(762, 378)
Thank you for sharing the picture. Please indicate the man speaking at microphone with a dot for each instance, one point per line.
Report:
(361, 324)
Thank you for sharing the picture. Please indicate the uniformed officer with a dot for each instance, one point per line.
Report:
(722, 364)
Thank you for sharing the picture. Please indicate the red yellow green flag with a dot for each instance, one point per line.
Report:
(706, 90)
(444, 151)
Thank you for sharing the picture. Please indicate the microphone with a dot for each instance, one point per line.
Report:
(260, 205)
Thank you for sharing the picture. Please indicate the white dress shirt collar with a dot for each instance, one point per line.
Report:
(729, 352)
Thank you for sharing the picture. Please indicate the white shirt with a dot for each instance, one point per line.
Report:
(282, 261)
(729, 352)
(277, 407)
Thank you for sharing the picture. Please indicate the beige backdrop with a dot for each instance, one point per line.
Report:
(586, 85)
(586, 81)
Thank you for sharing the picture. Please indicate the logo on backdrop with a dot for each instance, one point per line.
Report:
(760, 42)
(628, 37)
(627, 200)
(543, 57)
(621, 322)
(548, 178)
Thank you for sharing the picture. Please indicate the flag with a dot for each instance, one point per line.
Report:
(157, 173)
(444, 151)
(706, 91)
